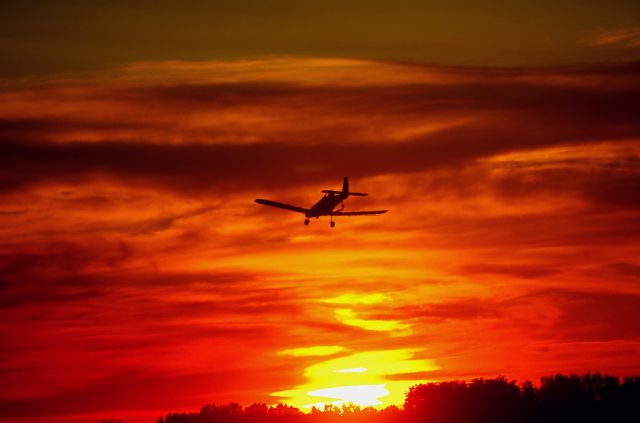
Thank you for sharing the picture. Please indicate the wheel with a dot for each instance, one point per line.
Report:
(332, 223)
(306, 221)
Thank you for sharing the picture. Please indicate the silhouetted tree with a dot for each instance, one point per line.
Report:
(495, 400)
(591, 397)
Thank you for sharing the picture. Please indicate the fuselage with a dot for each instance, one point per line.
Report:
(326, 205)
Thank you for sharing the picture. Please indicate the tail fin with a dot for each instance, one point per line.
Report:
(345, 190)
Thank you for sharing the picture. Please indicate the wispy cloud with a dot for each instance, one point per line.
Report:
(628, 37)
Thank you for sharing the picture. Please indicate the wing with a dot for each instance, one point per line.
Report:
(281, 205)
(359, 213)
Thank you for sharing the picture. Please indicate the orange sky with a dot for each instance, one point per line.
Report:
(138, 277)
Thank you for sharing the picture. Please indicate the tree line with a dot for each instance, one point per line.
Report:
(591, 397)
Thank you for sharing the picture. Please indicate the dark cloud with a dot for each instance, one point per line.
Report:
(613, 184)
(478, 90)
(518, 270)
(524, 101)
(44, 295)
(623, 268)
(12, 212)
(49, 128)
(503, 111)
(156, 224)
(210, 168)
(581, 315)
(458, 310)
(61, 257)
(157, 391)
(42, 283)
(617, 189)
(593, 315)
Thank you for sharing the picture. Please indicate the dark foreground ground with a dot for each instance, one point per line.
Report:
(558, 398)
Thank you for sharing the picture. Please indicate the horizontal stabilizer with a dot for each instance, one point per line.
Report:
(281, 205)
(359, 213)
(330, 191)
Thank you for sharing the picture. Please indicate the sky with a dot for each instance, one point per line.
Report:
(138, 277)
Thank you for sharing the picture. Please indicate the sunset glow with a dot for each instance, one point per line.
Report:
(511, 222)
(138, 276)
(341, 380)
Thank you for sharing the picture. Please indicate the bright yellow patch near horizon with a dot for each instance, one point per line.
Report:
(361, 395)
(361, 379)
(354, 370)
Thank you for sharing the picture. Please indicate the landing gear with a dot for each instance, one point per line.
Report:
(332, 223)
(306, 221)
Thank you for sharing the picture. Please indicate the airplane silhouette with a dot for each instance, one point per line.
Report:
(326, 205)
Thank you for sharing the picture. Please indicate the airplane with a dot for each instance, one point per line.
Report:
(326, 205)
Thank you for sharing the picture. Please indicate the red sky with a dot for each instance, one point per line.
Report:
(137, 275)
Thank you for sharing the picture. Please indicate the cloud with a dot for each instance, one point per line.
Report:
(197, 168)
(314, 351)
(524, 271)
(125, 392)
(455, 310)
(222, 135)
(628, 37)
(19, 260)
(593, 315)
(610, 182)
